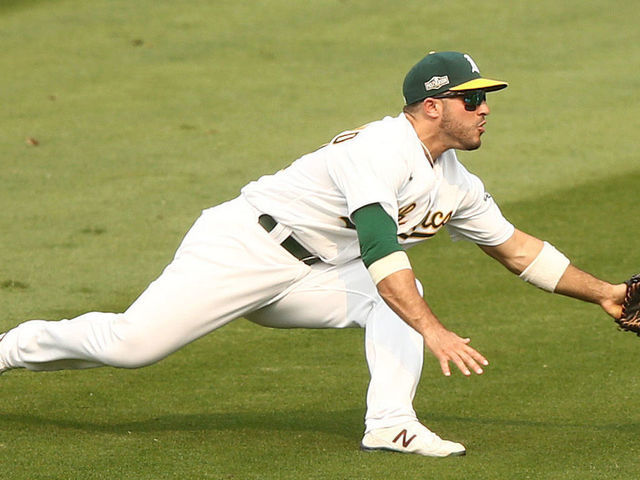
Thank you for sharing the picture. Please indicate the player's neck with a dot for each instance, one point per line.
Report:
(431, 144)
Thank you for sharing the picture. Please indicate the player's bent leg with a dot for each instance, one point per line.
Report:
(345, 296)
(394, 354)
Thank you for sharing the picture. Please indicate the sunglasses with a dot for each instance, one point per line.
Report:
(472, 98)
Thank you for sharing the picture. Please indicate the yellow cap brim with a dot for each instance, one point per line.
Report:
(481, 84)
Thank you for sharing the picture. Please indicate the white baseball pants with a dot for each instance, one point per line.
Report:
(227, 267)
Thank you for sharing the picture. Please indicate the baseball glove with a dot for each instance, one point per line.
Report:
(630, 319)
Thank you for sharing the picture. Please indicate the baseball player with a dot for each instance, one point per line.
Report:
(321, 244)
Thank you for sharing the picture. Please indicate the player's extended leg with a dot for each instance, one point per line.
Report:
(345, 296)
(226, 266)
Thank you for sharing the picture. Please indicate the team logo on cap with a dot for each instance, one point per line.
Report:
(474, 67)
(436, 82)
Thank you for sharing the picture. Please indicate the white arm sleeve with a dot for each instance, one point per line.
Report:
(479, 218)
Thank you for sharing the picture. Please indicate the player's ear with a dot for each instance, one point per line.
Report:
(432, 107)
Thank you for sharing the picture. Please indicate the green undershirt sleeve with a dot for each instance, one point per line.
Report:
(377, 233)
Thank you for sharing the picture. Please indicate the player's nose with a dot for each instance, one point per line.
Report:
(483, 109)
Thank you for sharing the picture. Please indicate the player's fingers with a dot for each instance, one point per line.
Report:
(444, 366)
(459, 362)
(471, 363)
(452, 348)
(477, 356)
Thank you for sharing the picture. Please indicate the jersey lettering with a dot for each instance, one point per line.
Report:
(404, 211)
(428, 227)
(431, 223)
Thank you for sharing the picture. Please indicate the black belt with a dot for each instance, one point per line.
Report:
(290, 244)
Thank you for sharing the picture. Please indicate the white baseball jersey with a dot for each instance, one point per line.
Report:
(383, 162)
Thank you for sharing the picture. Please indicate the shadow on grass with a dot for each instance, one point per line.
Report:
(342, 423)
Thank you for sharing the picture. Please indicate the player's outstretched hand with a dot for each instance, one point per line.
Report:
(447, 347)
(613, 304)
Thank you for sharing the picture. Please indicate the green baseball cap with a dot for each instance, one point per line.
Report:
(439, 72)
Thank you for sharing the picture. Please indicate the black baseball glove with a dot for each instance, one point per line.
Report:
(630, 319)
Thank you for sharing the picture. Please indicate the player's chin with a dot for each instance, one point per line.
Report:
(468, 142)
(477, 141)
(473, 145)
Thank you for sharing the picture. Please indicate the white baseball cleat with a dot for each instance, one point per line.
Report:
(411, 437)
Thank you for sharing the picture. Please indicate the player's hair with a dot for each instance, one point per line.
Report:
(413, 108)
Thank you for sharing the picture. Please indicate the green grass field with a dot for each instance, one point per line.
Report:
(121, 120)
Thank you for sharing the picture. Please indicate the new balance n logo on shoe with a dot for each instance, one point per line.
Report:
(403, 434)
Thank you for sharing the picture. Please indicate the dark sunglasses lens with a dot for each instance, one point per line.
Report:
(474, 99)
